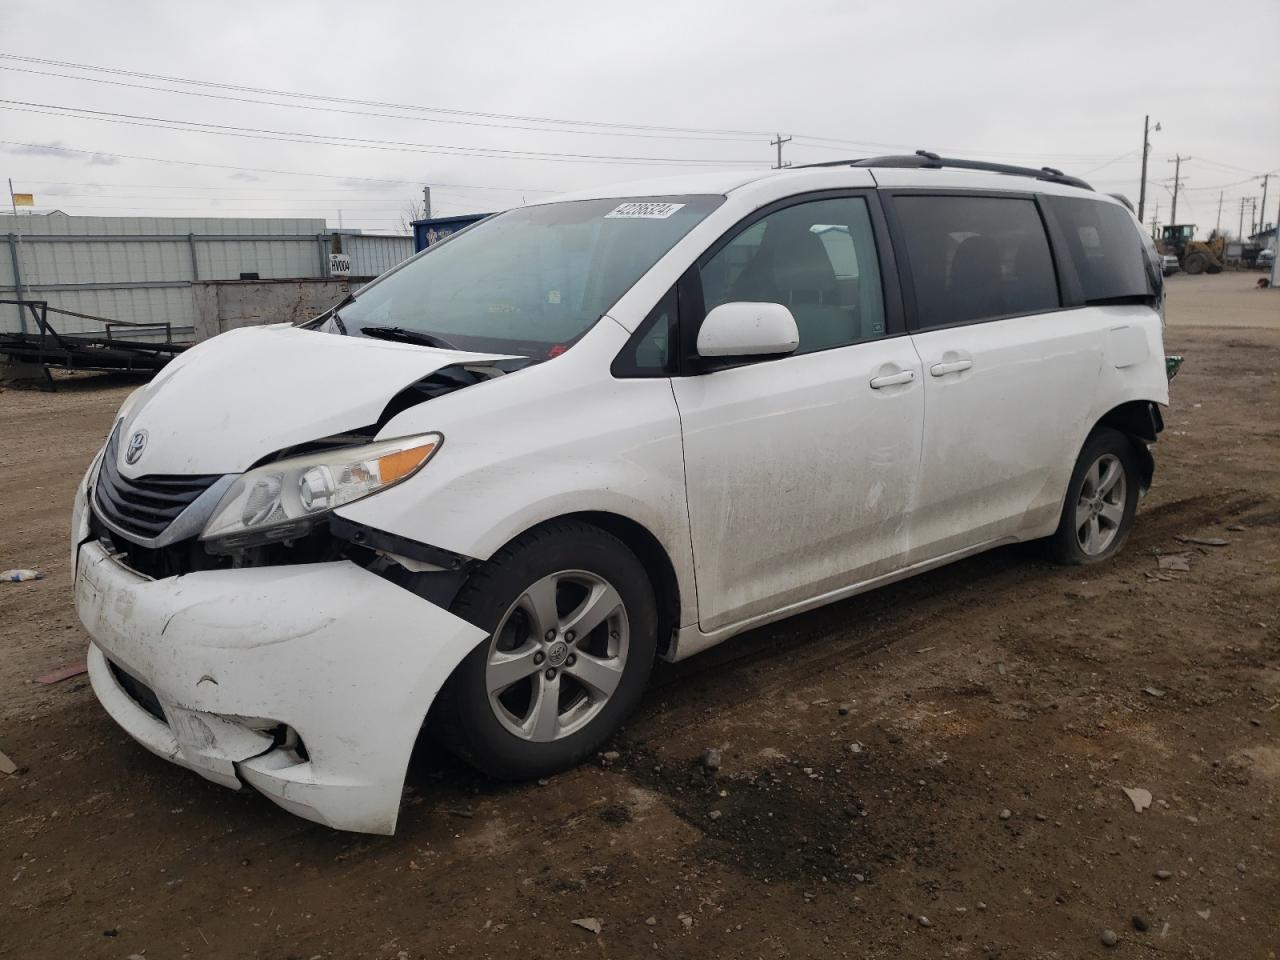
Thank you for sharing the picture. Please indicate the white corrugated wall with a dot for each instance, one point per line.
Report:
(372, 256)
(143, 273)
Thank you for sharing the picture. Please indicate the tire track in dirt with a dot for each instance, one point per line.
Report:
(861, 625)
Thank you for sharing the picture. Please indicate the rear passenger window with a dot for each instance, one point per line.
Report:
(816, 258)
(976, 258)
(1105, 246)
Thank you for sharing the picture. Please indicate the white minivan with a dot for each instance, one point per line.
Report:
(483, 494)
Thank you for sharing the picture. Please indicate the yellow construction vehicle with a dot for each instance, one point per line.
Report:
(1194, 256)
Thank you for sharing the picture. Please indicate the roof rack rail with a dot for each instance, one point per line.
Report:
(923, 159)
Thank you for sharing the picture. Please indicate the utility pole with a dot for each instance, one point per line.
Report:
(17, 225)
(426, 202)
(16, 250)
(1275, 271)
(1263, 216)
(1218, 229)
(778, 143)
(1146, 149)
(1155, 220)
(1177, 178)
(1240, 232)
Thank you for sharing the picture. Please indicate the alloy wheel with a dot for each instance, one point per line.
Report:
(1100, 506)
(557, 655)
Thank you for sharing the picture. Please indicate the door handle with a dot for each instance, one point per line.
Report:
(893, 379)
(951, 366)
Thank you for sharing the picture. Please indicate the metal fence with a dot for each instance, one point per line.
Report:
(140, 269)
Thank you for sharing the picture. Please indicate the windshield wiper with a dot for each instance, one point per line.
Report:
(336, 317)
(402, 335)
(330, 315)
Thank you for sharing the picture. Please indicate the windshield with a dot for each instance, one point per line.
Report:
(530, 281)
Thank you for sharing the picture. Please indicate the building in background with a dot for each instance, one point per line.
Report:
(1265, 239)
(158, 270)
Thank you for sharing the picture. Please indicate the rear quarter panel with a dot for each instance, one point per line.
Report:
(1132, 344)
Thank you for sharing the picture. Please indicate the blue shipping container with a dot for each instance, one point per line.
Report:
(435, 229)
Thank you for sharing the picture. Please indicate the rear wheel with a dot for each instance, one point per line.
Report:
(572, 634)
(1196, 263)
(1102, 498)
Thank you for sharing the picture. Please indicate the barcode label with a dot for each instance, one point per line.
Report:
(642, 210)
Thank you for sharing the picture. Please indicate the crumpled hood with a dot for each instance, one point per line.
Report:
(230, 401)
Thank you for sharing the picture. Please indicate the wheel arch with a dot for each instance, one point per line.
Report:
(652, 555)
(1141, 422)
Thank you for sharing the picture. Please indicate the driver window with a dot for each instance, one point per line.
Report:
(818, 259)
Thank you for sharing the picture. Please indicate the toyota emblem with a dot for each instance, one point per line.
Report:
(137, 443)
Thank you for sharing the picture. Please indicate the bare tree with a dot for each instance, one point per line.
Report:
(411, 211)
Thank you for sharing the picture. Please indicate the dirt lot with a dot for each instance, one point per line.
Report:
(871, 750)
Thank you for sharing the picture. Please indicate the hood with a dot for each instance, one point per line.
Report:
(225, 404)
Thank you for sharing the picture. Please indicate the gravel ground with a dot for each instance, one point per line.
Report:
(936, 769)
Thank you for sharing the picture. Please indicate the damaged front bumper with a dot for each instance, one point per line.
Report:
(310, 682)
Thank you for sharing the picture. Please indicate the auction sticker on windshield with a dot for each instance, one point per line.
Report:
(641, 210)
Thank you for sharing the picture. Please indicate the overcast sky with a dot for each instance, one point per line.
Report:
(1063, 84)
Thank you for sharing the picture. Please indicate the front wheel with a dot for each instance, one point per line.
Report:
(1102, 498)
(572, 627)
(1195, 264)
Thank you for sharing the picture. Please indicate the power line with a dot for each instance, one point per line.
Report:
(228, 166)
(380, 103)
(594, 127)
(242, 189)
(870, 149)
(363, 143)
(382, 201)
(288, 136)
(1117, 159)
(1226, 166)
(183, 211)
(1236, 183)
(708, 138)
(320, 213)
(805, 140)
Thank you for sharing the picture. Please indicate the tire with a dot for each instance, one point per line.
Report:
(529, 597)
(1095, 523)
(1195, 264)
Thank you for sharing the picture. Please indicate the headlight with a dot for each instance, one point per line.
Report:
(283, 500)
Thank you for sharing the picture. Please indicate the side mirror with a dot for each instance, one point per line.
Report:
(748, 330)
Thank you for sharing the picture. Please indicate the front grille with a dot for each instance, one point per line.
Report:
(145, 506)
(139, 692)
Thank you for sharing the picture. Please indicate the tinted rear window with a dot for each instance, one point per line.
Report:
(976, 258)
(1106, 247)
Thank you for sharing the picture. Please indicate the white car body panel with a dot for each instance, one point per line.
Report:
(800, 475)
(693, 639)
(490, 483)
(986, 479)
(363, 661)
(994, 465)
(771, 487)
(289, 384)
